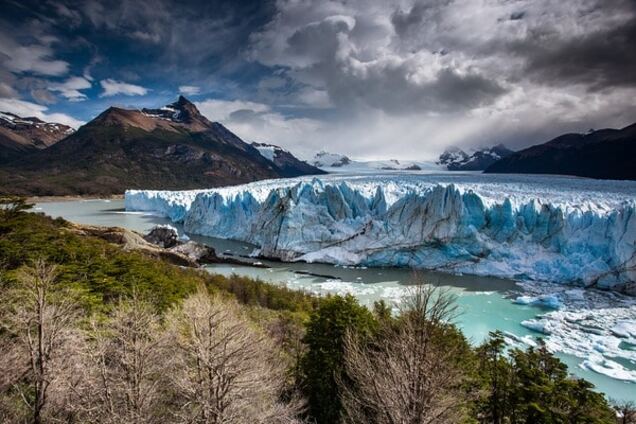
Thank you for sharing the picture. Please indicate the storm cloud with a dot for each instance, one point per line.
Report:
(369, 78)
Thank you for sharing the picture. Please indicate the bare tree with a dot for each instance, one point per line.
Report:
(225, 371)
(287, 334)
(625, 410)
(408, 374)
(124, 367)
(38, 347)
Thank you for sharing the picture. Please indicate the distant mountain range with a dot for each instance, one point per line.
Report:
(456, 159)
(175, 147)
(170, 148)
(23, 135)
(334, 162)
(603, 154)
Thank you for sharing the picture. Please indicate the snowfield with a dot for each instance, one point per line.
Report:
(544, 228)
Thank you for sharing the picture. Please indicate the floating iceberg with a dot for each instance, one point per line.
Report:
(596, 326)
(543, 228)
(548, 301)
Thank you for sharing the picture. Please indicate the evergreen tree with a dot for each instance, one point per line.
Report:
(496, 373)
(323, 363)
(533, 386)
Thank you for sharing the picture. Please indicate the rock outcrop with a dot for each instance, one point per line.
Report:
(167, 247)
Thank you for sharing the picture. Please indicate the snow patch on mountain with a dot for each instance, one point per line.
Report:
(268, 151)
(15, 120)
(325, 159)
(455, 159)
(524, 227)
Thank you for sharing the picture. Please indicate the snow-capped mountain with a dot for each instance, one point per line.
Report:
(285, 160)
(20, 135)
(334, 162)
(325, 159)
(455, 159)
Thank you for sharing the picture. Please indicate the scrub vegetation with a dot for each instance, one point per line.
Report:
(90, 333)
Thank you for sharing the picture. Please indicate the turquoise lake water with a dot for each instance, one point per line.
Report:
(485, 303)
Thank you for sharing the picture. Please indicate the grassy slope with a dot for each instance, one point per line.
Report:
(105, 273)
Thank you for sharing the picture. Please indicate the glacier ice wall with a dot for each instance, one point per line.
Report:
(548, 229)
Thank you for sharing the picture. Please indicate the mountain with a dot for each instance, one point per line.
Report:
(20, 135)
(324, 159)
(603, 154)
(174, 147)
(455, 159)
(290, 165)
(334, 162)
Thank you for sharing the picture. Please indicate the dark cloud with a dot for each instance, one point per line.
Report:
(244, 115)
(360, 71)
(601, 59)
(421, 12)
(389, 89)
(6, 90)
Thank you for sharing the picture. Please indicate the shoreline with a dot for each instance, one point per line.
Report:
(72, 198)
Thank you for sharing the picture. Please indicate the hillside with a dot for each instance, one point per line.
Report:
(603, 154)
(285, 161)
(174, 147)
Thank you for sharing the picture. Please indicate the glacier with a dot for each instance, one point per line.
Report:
(544, 228)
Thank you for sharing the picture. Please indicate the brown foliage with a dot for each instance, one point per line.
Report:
(408, 373)
(225, 371)
(38, 346)
(124, 367)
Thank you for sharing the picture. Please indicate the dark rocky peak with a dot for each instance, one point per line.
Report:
(182, 111)
(326, 159)
(453, 149)
(187, 110)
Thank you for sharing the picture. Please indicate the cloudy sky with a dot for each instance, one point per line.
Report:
(369, 78)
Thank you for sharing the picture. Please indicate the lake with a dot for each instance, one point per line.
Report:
(486, 304)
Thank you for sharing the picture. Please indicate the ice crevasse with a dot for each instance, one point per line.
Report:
(536, 228)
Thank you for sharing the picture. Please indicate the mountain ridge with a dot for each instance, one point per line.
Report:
(174, 147)
(21, 135)
(287, 162)
(335, 162)
(604, 154)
